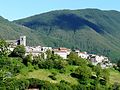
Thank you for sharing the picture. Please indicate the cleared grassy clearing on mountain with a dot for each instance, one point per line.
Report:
(114, 76)
(43, 74)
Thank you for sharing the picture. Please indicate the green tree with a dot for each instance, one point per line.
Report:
(73, 55)
(49, 54)
(1, 76)
(64, 86)
(19, 51)
(60, 64)
(27, 59)
(116, 86)
(73, 59)
(83, 74)
(97, 69)
(3, 48)
(105, 76)
(56, 57)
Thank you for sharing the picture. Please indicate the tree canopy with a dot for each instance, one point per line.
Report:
(3, 48)
(19, 51)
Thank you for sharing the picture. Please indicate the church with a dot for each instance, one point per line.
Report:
(20, 41)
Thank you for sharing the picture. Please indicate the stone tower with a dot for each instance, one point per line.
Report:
(23, 40)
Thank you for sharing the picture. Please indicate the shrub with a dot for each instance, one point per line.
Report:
(52, 77)
(62, 70)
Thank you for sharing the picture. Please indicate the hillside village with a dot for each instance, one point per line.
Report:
(61, 51)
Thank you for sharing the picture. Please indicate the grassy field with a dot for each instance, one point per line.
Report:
(43, 74)
(114, 76)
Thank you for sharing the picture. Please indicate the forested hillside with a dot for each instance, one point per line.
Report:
(11, 31)
(27, 72)
(91, 30)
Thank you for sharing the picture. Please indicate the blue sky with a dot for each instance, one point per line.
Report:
(16, 9)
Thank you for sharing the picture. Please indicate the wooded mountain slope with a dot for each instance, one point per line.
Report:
(11, 31)
(91, 30)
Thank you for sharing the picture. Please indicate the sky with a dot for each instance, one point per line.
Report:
(17, 9)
